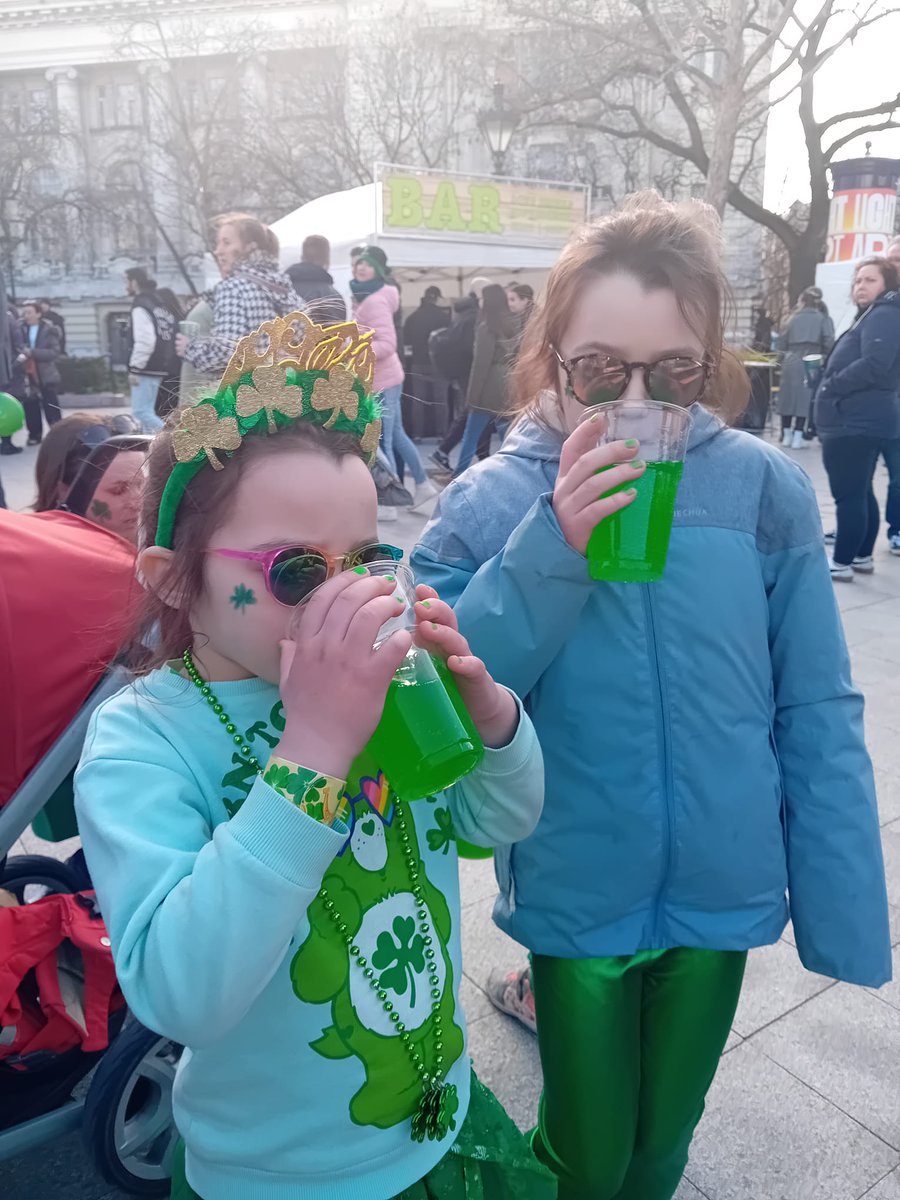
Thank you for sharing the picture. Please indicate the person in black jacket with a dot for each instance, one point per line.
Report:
(42, 378)
(153, 358)
(313, 284)
(858, 412)
(427, 384)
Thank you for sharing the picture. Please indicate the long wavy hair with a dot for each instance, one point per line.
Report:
(664, 245)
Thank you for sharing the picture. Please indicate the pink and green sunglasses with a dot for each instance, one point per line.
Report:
(293, 572)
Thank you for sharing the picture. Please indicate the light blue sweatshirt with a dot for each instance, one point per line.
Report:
(294, 1081)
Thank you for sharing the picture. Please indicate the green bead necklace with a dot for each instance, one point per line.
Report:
(434, 1116)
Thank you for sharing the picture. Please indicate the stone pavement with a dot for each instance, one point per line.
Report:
(806, 1104)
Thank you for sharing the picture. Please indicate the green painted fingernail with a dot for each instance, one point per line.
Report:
(630, 492)
(434, 624)
(631, 443)
(391, 578)
(595, 417)
(360, 571)
(399, 599)
(638, 464)
(425, 603)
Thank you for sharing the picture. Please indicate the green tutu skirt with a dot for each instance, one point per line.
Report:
(490, 1160)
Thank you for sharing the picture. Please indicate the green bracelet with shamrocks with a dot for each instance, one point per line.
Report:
(319, 796)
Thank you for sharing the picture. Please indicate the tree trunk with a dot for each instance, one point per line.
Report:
(804, 258)
(728, 101)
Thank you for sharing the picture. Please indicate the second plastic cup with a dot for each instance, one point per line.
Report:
(189, 329)
(631, 546)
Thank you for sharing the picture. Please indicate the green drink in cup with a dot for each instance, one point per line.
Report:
(189, 329)
(425, 741)
(631, 546)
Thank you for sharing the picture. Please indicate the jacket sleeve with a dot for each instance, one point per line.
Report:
(199, 921)
(879, 335)
(230, 324)
(144, 333)
(380, 316)
(500, 802)
(482, 360)
(835, 870)
(516, 608)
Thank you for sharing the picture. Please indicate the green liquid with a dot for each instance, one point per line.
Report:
(426, 740)
(631, 546)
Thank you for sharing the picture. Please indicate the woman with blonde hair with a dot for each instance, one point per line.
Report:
(252, 290)
(703, 741)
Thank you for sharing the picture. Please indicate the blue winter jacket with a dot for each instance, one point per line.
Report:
(858, 393)
(702, 737)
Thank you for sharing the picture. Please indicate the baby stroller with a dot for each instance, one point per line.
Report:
(124, 1110)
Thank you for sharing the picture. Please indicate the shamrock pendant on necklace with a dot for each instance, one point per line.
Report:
(435, 1114)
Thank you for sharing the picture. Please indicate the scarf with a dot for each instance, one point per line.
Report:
(361, 290)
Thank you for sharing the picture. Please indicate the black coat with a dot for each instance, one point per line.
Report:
(323, 302)
(419, 327)
(858, 393)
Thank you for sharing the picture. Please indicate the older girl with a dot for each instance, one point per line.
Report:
(702, 738)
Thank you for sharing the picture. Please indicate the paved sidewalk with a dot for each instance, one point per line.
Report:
(806, 1104)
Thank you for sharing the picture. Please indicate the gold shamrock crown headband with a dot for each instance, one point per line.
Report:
(288, 370)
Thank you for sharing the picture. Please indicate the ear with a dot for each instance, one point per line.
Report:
(154, 569)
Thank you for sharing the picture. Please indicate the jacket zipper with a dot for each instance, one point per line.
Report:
(665, 762)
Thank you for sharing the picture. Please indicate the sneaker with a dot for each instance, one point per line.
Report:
(864, 566)
(441, 460)
(33, 441)
(9, 448)
(512, 994)
(799, 442)
(831, 538)
(424, 493)
(840, 573)
(386, 514)
(895, 543)
(787, 437)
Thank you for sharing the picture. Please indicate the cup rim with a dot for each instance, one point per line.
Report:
(653, 404)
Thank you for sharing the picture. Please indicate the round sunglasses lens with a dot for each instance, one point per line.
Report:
(600, 379)
(677, 381)
(293, 576)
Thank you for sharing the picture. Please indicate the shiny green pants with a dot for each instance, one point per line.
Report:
(629, 1048)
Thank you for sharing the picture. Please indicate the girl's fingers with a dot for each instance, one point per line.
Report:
(600, 458)
(436, 611)
(445, 641)
(601, 509)
(350, 600)
(468, 667)
(578, 443)
(316, 609)
(388, 657)
(365, 623)
(596, 486)
(424, 592)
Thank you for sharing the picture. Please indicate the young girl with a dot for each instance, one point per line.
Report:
(731, 767)
(271, 903)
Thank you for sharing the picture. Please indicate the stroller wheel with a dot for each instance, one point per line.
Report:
(128, 1125)
(31, 876)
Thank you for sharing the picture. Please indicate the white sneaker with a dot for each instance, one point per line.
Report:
(840, 573)
(424, 493)
(386, 514)
(895, 543)
(864, 566)
(787, 436)
(799, 442)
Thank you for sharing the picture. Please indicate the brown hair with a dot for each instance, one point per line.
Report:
(495, 311)
(316, 249)
(889, 273)
(60, 457)
(250, 230)
(205, 505)
(663, 245)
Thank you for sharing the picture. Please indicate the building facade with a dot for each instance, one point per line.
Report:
(124, 129)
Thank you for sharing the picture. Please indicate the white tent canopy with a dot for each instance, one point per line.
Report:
(350, 218)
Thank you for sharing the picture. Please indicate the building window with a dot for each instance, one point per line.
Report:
(128, 104)
(103, 106)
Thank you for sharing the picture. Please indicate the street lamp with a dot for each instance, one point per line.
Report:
(498, 124)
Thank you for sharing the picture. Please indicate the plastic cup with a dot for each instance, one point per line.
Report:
(425, 741)
(189, 329)
(631, 546)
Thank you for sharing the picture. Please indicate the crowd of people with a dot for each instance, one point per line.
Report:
(654, 785)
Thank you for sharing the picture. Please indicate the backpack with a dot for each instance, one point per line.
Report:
(450, 350)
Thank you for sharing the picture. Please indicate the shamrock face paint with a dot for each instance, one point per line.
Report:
(99, 510)
(241, 597)
(116, 504)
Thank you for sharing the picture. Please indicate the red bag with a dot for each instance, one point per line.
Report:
(57, 977)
